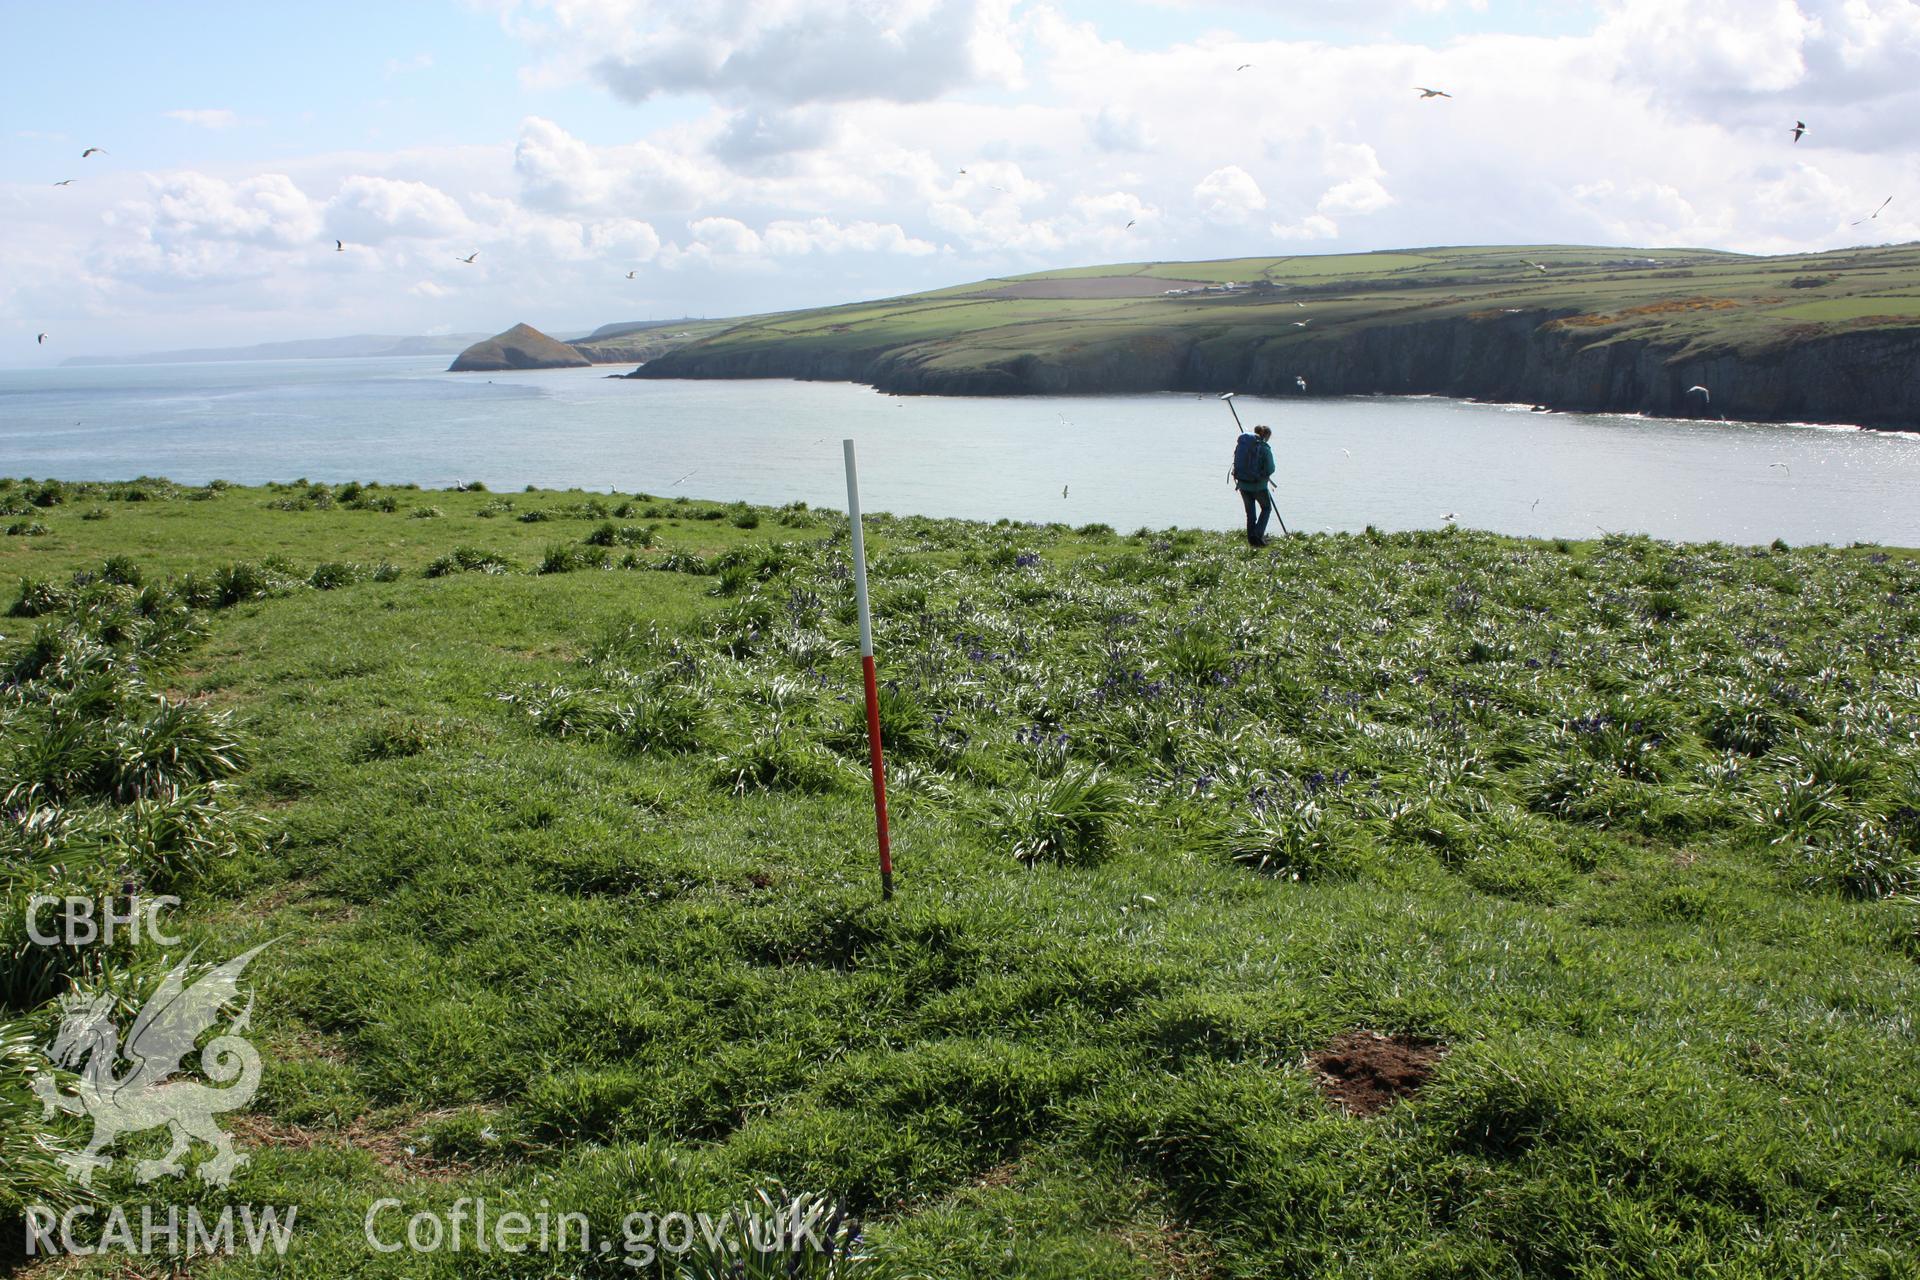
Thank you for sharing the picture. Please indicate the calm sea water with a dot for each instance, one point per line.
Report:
(1129, 461)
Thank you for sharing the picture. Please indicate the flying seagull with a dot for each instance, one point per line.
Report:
(1130, 222)
(1876, 213)
(683, 479)
(1301, 305)
(1243, 66)
(1063, 490)
(1783, 466)
(469, 258)
(1703, 391)
(1432, 93)
(41, 340)
(1449, 516)
(1301, 324)
(93, 151)
(1799, 127)
(1537, 266)
(64, 182)
(1536, 503)
(1300, 382)
(339, 246)
(629, 275)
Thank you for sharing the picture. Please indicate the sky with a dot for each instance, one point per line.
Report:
(740, 156)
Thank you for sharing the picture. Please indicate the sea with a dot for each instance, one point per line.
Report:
(1129, 461)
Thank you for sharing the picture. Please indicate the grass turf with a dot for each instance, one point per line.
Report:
(572, 879)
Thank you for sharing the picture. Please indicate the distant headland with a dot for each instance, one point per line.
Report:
(1831, 337)
(525, 347)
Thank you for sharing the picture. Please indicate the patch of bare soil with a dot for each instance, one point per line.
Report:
(399, 1150)
(1170, 1249)
(1368, 1071)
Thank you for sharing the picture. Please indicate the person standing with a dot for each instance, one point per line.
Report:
(1253, 469)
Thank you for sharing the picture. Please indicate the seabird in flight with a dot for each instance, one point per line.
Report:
(1876, 213)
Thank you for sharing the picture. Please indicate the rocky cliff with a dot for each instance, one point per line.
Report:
(1867, 377)
(521, 347)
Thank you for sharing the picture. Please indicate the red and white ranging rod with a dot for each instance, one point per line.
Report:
(866, 670)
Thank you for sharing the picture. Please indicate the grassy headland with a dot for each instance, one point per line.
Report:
(1830, 337)
(554, 802)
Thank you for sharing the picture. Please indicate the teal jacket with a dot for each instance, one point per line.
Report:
(1264, 465)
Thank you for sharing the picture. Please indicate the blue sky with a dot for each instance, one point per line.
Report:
(744, 156)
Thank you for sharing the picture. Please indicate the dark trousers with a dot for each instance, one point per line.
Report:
(1260, 501)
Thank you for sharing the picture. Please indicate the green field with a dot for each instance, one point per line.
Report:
(1684, 301)
(552, 806)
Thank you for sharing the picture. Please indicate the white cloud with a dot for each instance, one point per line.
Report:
(205, 117)
(725, 235)
(557, 170)
(624, 239)
(1118, 129)
(1359, 190)
(1229, 195)
(823, 235)
(1314, 226)
(1696, 47)
(757, 133)
(267, 210)
(1845, 66)
(369, 210)
(787, 52)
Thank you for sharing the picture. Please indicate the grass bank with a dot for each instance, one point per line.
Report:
(553, 803)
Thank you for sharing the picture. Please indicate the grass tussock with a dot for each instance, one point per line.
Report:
(109, 788)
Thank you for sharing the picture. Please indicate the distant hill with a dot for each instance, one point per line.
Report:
(637, 341)
(624, 327)
(1828, 337)
(521, 347)
(358, 347)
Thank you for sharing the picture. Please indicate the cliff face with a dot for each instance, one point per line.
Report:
(1869, 377)
(521, 347)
